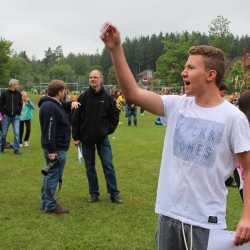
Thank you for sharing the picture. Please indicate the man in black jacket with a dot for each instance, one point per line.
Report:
(11, 107)
(92, 122)
(55, 139)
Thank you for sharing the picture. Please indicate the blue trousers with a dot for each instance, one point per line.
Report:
(51, 180)
(15, 121)
(105, 153)
(132, 116)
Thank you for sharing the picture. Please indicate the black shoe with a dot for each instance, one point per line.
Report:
(17, 152)
(116, 199)
(94, 198)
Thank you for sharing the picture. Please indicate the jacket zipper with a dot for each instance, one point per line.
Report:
(12, 104)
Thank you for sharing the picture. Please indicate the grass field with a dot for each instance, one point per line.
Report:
(103, 225)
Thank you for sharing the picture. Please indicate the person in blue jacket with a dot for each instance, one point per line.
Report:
(25, 119)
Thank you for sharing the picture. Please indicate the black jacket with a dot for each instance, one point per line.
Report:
(11, 103)
(54, 123)
(95, 118)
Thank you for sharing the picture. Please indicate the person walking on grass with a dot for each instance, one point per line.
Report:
(205, 133)
(132, 113)
(25, 119)
(92, 122)
(11, 106)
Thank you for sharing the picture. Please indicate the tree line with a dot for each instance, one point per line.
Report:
(165, 54)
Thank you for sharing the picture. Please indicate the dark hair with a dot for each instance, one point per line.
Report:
(223, 86)
(55, 86)
(213, 59)
(244, 102)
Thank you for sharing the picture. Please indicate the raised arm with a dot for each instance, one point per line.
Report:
(148, 100)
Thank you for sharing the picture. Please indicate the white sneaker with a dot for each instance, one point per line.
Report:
(26, 144)
(20, 145)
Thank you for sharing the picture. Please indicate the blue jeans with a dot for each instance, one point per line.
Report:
(15, 121)
(105, 153)
(51, 180)
(132, 116)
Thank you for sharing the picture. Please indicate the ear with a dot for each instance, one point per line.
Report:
(211, 75)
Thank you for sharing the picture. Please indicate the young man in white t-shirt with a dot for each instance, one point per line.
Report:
(204, 135)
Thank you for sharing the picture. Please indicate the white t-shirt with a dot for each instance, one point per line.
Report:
(197, 158)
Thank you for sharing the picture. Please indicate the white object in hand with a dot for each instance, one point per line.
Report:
(79, 152)
(223, 240)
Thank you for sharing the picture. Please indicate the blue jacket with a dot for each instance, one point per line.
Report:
(55, 124)
(27, 110)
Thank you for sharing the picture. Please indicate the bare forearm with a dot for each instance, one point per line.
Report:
(246, 194)
(133, 93)
(242, 234)
(124, 75)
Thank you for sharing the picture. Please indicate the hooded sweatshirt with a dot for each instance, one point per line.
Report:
(55, 125)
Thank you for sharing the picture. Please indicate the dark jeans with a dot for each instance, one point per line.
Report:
(105, 153)
(132, 116)
(51, 180)
(27, 132)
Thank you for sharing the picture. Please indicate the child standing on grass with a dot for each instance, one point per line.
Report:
(25, 119)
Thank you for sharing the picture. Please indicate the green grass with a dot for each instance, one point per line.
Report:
(106, 226)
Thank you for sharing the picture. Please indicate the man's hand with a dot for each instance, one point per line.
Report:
(77, 142)
(52, 156)
(242, 232)
(110, 36)
(75, 105)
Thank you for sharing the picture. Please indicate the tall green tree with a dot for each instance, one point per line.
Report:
(170, 64)
(220, 35)
(21, 69)
(220, 27)
(5, 52)
(234, 75)
(111, 78)
(62, 71)
(49, 57)
(80, 64)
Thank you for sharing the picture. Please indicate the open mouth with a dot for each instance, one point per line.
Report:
(186, 82)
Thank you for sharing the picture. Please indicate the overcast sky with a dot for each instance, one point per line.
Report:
(35, 25)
